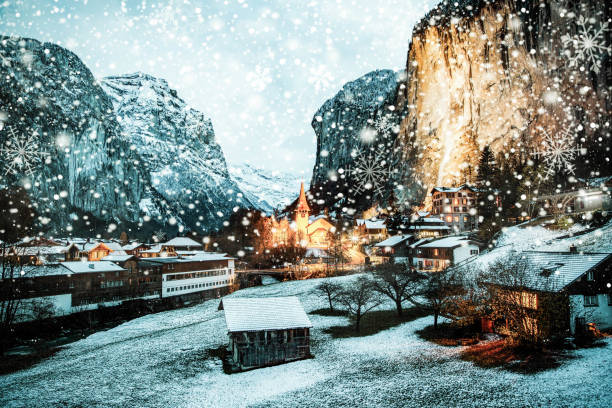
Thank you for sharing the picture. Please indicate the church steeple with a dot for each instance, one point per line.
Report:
(302, 211)
(302, 203)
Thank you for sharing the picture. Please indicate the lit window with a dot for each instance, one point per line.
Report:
(456, 218)
(449, 219)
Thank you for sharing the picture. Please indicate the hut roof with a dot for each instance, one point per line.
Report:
(257, 314)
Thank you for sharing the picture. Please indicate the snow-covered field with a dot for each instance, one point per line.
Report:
(162, 360)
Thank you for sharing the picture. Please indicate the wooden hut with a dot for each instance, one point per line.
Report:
(266, 331)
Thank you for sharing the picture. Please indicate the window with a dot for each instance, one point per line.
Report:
(473, 252)
(456, 219)
(590, 300)
(609, 299)
(590, 276)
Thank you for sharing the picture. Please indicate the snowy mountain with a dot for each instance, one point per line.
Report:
(61, 141)
(178, 150)
(128, 151)
(359, 120)
(266, 190)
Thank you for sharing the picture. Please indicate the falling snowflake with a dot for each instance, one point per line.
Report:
(588, 45)
(558, 152)
(159, 236)
(21, 154)
(371, 171)
(260, 78)
(320, 77)
(386, 124)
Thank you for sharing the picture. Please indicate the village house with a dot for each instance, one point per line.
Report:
(266, 331)
(456, 206)
(184, 244)
(394, 249)
(371, 230)
(429, 227)
(560, 292)
(435, 255)
(158, 251)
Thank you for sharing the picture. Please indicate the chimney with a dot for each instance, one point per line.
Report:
(573, 249)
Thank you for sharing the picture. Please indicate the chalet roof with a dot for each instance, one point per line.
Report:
(131, 246)
(453, 189)
(114, 257)
(393, 241)
(448, 242)
(31, 271)
(183, 242)
(256, 314)
(41, 250)
(372, 223)
(554, 271)
(419, 242)
(113, 246)
(94, 266)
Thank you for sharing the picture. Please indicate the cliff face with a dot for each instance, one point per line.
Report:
(135, 156)
(502, 73)
(73, 162)
(498, 74)
(178, 151)
(360, 118)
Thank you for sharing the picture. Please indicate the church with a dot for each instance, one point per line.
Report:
(300, 228)
(312, 232)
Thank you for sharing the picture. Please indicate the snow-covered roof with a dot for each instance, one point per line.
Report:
(371, 223)
(131, 246)
(208, 256)
(256, 314)
(448, 242)
(30, 271)
(316, 253)
(429, 220)
(429, 227)
(117, 257)
(419, 242)
(393, 241)
(560, 268)
(452, 189)
(41, 250)
(154, 249)
(93, 266)
(113, 246)
(183, 242)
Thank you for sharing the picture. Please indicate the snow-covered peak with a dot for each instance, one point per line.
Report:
(267, 190)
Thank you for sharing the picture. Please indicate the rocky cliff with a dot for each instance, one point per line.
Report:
(61, 141)
(127, 153)
(178, 151)
(360, 119)
(505, 74)
(502, 73)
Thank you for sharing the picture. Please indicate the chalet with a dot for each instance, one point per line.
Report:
(94, 251)
(266, 331)
(183, 244)
(436, 255)
(456, 206)
(394, 248)
(560, 292)
(429, 227)
(134, 248)
(371, 230)
(158, 251)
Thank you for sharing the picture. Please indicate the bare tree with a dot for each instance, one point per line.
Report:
(330, 290)
(398, 282)
(360, 298)
(439, 293)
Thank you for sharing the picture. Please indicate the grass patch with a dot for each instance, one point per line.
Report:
(12, 363)
(374, 322)
(520, 359)
(330, 312)
(448, 334)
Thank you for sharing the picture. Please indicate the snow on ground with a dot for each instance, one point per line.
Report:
(162, 360)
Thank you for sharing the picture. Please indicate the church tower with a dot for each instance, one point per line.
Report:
(302, 211)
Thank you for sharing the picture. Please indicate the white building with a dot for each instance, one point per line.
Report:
(439, 254)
